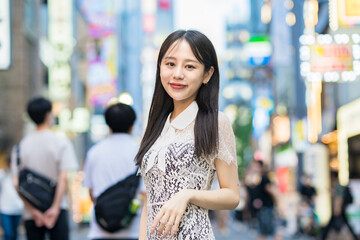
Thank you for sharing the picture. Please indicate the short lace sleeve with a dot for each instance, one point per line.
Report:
(227, 148)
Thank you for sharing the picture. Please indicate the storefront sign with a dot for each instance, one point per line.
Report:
(348, 118)
(330, 58)
(101, 72)
(258, 50)
(59, 81)
(61, 41)
(316, 165)
(344, 13)
(100, 16)
(5, 46)
(349, 12)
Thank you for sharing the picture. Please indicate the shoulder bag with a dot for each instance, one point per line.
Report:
(37, 189)
(113, 208)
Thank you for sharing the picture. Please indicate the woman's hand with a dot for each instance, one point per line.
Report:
(171, 214)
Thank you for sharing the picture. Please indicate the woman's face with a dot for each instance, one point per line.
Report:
(182, 74)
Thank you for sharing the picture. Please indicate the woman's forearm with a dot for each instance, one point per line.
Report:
(143, 220)
(227, 197)
(224, 198)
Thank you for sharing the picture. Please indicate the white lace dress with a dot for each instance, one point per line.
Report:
(170, 166)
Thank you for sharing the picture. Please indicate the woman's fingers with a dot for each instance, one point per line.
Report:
(163, 222)
(156, 221)
(175, 227)
(169, 225)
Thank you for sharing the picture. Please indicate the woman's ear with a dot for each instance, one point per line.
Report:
(208, 75)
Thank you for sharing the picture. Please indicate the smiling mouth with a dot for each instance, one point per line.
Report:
(177, 86)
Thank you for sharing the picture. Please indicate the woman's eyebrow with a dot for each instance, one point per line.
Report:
(186, 60)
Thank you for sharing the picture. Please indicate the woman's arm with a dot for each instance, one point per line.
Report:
(227, 197)
(143, 220)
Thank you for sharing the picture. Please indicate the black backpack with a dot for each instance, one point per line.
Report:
(112, 207)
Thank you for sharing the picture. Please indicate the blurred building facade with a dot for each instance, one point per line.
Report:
(25, 76)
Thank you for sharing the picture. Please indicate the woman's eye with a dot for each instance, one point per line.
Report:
(190, 66)
(170, 64)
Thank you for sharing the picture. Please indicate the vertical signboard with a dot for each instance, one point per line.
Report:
(61, 40)
(102, 62)
(5, 47)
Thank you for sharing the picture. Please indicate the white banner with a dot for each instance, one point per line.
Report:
(5, 48)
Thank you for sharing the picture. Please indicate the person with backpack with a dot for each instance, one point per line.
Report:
(50, 156)
(341, 199)
(108, 164)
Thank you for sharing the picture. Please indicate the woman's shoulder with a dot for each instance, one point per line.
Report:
(223, 120)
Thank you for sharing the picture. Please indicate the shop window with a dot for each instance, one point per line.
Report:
(354, 156)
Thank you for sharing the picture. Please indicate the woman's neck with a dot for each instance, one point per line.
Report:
(179, 107)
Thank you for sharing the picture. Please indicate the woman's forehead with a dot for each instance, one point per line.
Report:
(183, 44)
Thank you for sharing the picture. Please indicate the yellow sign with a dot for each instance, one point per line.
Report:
(349, 12)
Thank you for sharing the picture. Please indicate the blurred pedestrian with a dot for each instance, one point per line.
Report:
(306, 209)
(262, 197)
(186, 141)
(52, 156)
(338, 217)
(11, 206)
(307, 191)
(110, 161)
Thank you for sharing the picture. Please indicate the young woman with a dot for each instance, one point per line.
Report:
(186, 140)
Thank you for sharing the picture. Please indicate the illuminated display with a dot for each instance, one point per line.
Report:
(349, 12)
(59, 81)
(5, 47)
(258, 50)
(333, 57)
(348, 118)
(101, 71)
(61, 40)
(330, 58)
(100, 17)
(102, 50)
(344, 13)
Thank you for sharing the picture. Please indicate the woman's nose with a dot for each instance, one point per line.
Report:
(178, 74)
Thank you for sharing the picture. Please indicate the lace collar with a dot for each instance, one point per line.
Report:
(168, 135)
(183, 119)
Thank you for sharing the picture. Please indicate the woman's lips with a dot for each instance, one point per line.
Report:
(177, 86)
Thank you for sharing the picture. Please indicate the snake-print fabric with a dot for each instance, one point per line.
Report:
(183, 171)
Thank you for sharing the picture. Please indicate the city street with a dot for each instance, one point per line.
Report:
(237, 231)
(247, 105)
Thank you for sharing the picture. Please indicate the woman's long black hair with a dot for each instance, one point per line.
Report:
(206, 123)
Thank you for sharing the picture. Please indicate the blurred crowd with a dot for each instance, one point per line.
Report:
(262, 208)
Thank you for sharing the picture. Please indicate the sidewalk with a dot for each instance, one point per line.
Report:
(237, 231)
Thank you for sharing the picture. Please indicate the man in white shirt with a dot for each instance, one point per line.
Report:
(52, 156)
(108, 162)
